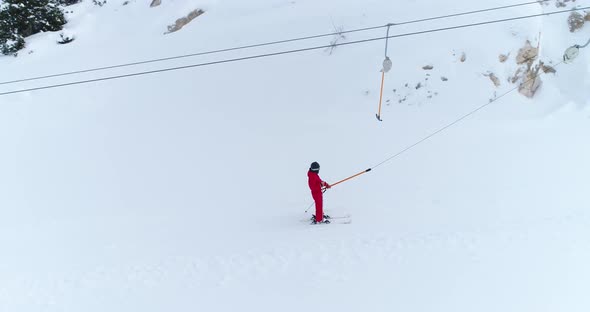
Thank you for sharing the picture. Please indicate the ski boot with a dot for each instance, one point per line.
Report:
(325, 217)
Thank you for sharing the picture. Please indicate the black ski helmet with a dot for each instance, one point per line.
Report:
(315, 167)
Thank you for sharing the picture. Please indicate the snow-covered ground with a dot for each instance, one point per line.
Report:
(186, 190)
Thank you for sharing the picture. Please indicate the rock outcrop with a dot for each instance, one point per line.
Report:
(183, 21)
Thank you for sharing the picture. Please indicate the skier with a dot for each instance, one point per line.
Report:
(316, 185)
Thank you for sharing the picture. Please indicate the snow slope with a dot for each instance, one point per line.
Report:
(185, 190)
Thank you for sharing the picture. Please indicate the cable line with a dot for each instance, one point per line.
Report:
(471, 113)
(457, 121)
(285, 52)
(470, 12)
(442, 129)
(269, 43)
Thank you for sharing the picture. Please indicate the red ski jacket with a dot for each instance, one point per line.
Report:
(315, 183)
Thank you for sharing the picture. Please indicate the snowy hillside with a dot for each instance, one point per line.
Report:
(185, 190)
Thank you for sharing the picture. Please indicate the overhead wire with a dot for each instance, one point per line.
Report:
(270, 43)
(286, 52)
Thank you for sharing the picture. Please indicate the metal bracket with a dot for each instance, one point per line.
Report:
(571, 53)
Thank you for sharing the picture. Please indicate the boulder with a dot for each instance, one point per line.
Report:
(575, 21)
(181, 22)
(531, 82)
(527, 54)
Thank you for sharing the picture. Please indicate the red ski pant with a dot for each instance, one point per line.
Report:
(319, 205)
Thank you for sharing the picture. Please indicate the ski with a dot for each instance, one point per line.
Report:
(336, 221)
(331, 218)
(340, 217)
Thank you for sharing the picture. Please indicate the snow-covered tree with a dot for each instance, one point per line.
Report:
(22, 18)
(68, 2)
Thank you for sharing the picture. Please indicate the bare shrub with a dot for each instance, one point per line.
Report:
(531, 82)
(65, 39)
(338, 35)
(527, 54)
